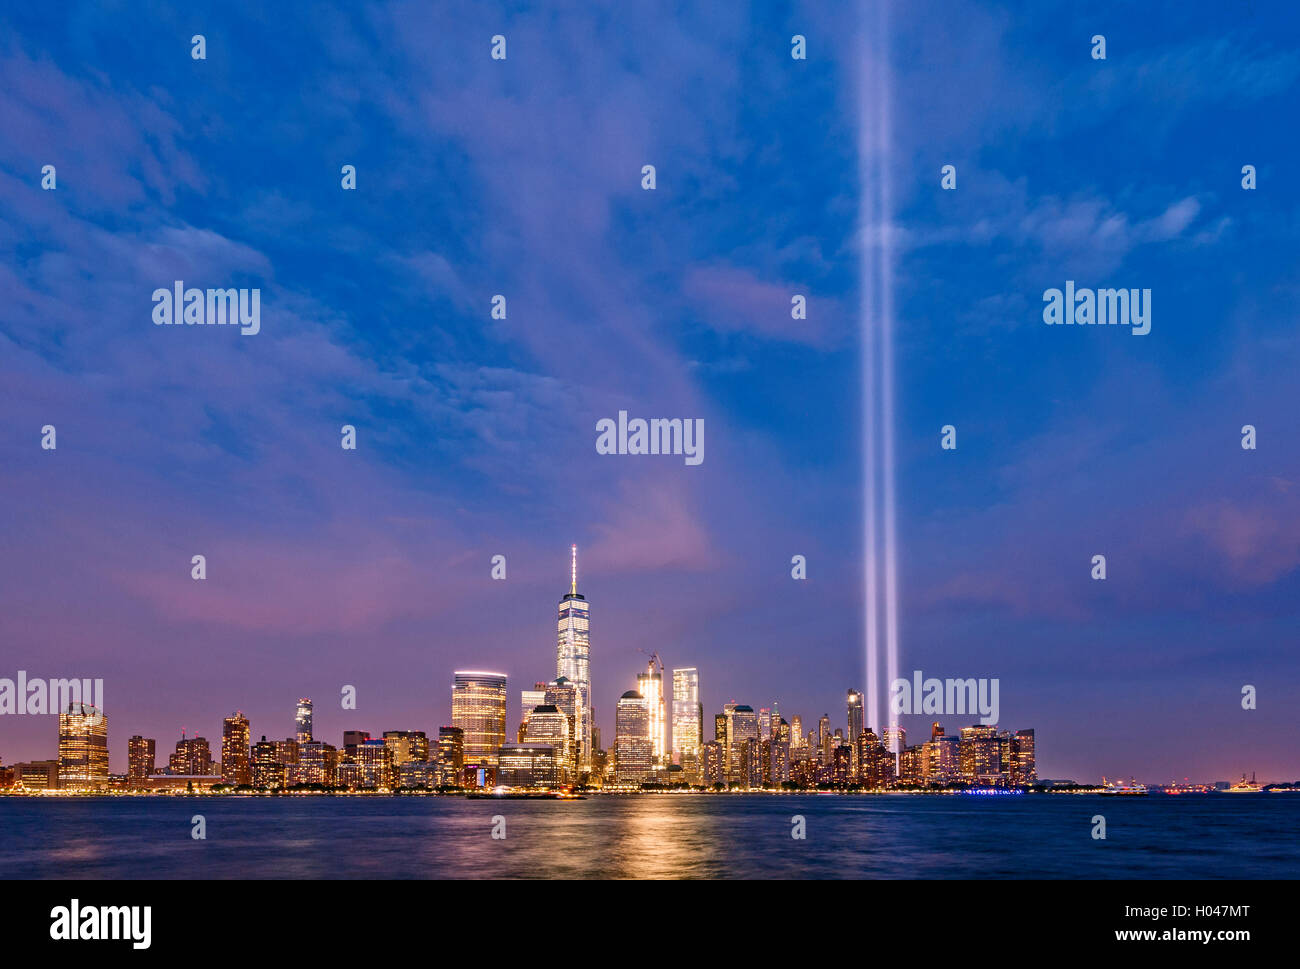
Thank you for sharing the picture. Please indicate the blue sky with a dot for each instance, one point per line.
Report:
(522, 177)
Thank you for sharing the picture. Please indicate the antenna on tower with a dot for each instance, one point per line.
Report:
(573, 569)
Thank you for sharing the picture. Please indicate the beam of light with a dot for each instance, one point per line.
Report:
(867, 320)
(887, 351)
(876, 311)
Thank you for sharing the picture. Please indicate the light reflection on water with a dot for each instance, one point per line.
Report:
(671, 836)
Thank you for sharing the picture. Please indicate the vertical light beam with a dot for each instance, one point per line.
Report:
(876, 312)
(884, 145)
(867, 319)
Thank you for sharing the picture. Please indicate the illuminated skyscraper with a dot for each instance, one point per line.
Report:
(688, 716)
(894, 739)
(302, 722)
(980, 754)
(529, 765)
(742, 727)
(451, 755)
(632, 745)
(376, 761)
(478, 708)
(317, 764)
(266, 770)
(726, 733)
(550, 725)
(650, 685)
(83, 747)
(1022, 770)
(235, 767)
(563, 695)
(451, 746)
(942, 761)
(286, 751)
(353, 739)
(529, 700)
(572, 657)
(712, 766)
(854, 701)
(141, 759)
(407, 746)
(192, 756)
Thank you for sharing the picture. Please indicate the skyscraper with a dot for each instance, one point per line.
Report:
(688, 716)
(855, 731)
(317, 763)
(650, 685)
(302, 722)
(1023, 770)
(632, 746)
(742, 728)
(980, 754)
(563, 695)
(572, 658)
(550, 725)
(83, 747)
(192, 756)
(529, 700)
(141, 759)
(894, 738)
(235, 765)
(376, 761)
(478, 708)
(265, 769)
(451, 750)
(407, 746)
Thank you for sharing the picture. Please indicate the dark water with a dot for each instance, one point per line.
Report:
(672, 836)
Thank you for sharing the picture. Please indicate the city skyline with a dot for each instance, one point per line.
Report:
(476, 421)
(479, 712)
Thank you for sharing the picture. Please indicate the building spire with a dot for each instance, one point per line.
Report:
(573, 570)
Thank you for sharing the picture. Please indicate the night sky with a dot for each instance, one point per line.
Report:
(476, 436)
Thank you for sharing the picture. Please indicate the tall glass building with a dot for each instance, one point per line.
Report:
(550, 725)
(632, 747)
(529, 700)
(688, 715)
(854, 702)
(83, 747)
(650, 685)
(572, 658)
(478, 708)
(302, 722)
(742, 726)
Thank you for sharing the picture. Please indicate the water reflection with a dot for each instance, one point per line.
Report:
(660, 836)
